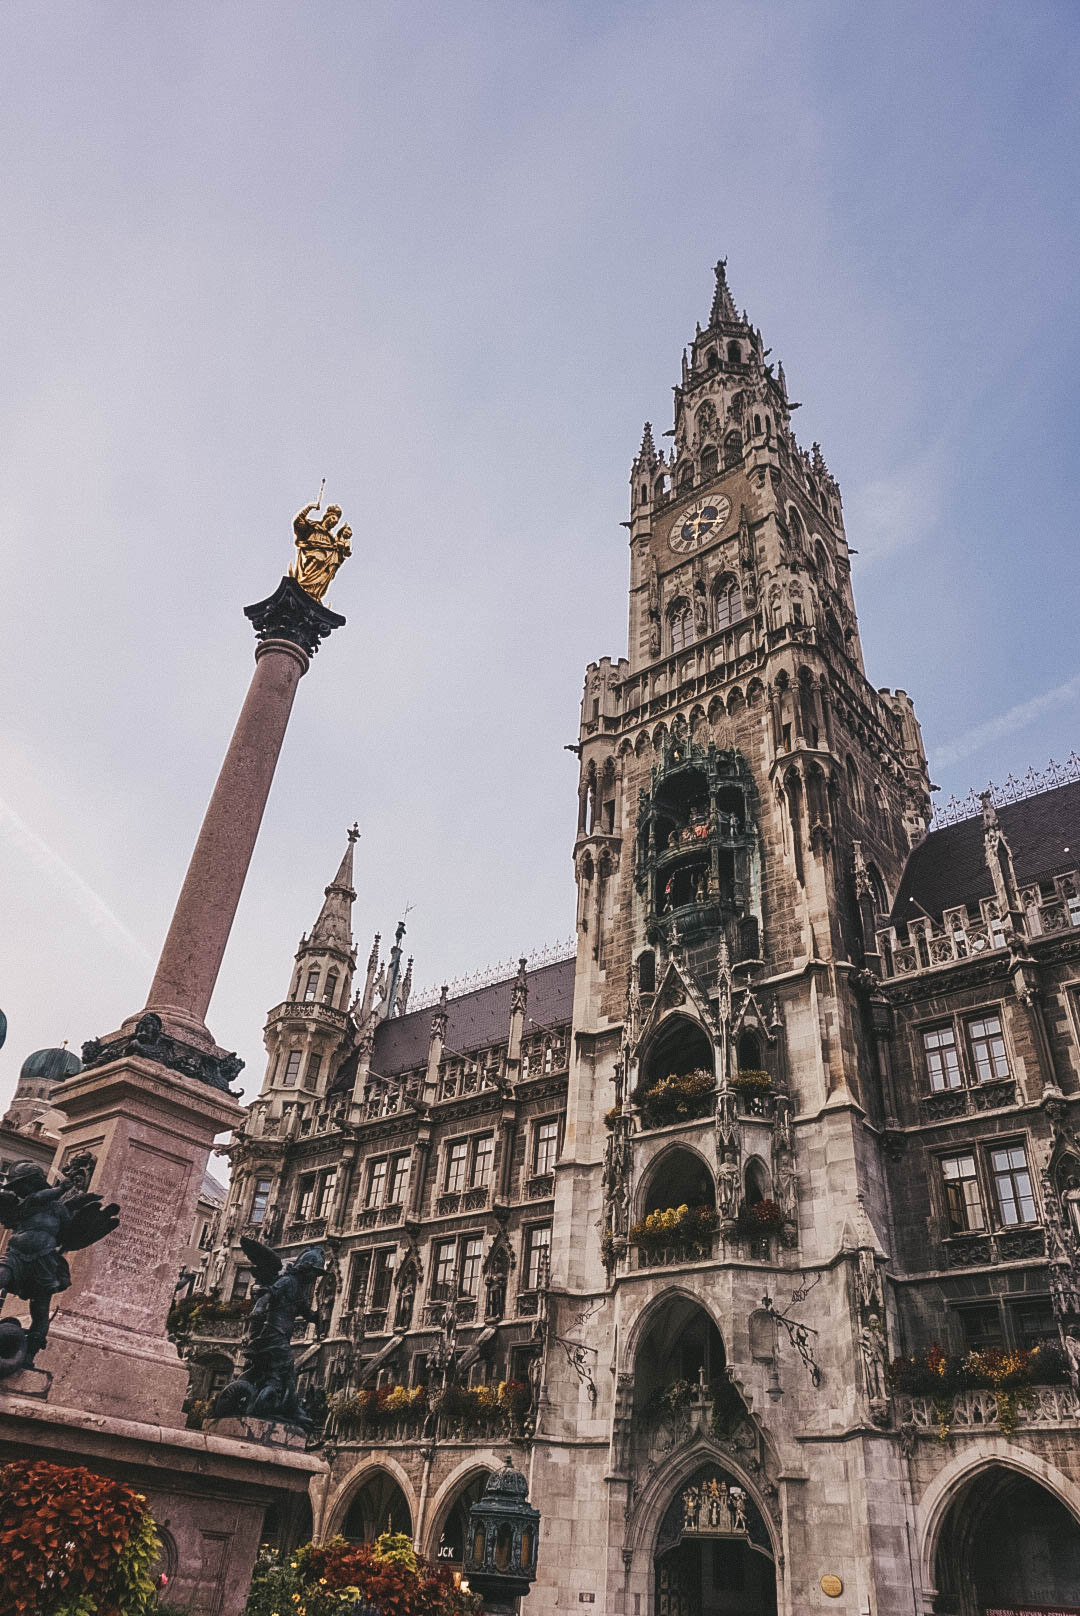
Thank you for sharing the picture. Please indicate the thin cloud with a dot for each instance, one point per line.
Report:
(1006, 723)
(77, 891)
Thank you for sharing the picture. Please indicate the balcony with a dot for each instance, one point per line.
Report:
(304, 1229)
(540, 1186)
(675, 1256)
(978, 1410)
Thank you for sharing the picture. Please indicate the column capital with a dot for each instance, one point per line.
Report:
(291, 614)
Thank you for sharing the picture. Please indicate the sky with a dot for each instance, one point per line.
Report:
(447, 257)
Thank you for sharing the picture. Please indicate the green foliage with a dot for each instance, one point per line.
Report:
(763, 1218)
(676, 1098)
(325, 1579)
(196, 1312)
(73, 1543)
(751, 1081)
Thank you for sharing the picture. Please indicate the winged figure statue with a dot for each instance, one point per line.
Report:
(266, 1386)
(46, 1221)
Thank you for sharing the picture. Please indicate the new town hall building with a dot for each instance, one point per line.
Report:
(805, 1101)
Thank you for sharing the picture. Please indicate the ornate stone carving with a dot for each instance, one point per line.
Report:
(151, 1042)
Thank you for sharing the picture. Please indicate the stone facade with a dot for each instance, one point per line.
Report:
(688, 1189)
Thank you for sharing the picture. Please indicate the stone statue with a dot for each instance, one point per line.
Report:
(872, 1342)
(46, 1221)
(738, 1503)
(1072, 1354)
(319, 550)
(266, 1389)
(729, 1188)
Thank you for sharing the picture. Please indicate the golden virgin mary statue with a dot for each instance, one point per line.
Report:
(319, 550)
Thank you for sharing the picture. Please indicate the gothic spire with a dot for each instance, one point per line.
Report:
(646, 455)
(333, 929)
(723, 306)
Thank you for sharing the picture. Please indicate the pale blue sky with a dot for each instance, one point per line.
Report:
(447, 256)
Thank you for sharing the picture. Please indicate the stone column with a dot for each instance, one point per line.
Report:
(151, 1098)
(289, 626)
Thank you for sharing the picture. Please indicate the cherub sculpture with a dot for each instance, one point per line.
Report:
(46, 1221)
(319, 550)
(266, 1388)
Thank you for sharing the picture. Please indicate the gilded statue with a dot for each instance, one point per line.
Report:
(319, 550)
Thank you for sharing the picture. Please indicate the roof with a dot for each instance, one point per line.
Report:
(212, 1190)
(949, 868)
(475, 1020)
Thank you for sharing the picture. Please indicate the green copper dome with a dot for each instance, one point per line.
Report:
(50, 1065)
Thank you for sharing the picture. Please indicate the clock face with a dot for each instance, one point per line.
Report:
(702, 521)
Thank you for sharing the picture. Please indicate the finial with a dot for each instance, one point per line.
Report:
(723, 307)
(354, 834)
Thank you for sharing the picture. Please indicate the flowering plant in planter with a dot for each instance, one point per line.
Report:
(1010, 1375)
(762, 1218)
(674, 1226)
(73, 1543)
(331, 1579)
(675, 1098)
(378, 1406)
(195, 1312)
(751, 1081)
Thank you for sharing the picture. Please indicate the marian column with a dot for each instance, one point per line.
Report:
(152, 1097)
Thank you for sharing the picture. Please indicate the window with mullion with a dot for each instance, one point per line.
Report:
(537, 1252)
(399, 1179)
(483, 1158)
(327, 1181)
(1012, 1185)
(942, 1058)
(457, 1161)
(987, 1044)
(382, 1278)
(547, 1146)
(305, 1196)
(442, 1268)
(376, 1181)
(472, 1248)
(259, 1199)
(963, 1197)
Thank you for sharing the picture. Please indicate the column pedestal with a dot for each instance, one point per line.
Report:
(151, 1130)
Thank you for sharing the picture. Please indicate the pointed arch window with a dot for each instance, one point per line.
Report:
(733, 449)
(728, 597)
(710, 461)
(681, 618)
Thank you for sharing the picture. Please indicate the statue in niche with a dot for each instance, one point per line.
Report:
(319, 550)
(729, 1188)
(872, 1342)
(266, 1387)
(46, 1221)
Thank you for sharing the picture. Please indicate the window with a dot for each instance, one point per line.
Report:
(241, 1284)
(483, 1161)
(330, 990)
(728, 602)
(682, 626)
(399, 1179)
(472, 1250)
(988, 1048)
(263, 1187)
(547, 1146)
(206, 1238)
(358, 1279)
(942, 1058)
(314, 1066)
(442, 1272)
(457, 1158)
(327, 1180)
(732, 449)
(1012, 1185)
(312, 986)
(734, 353)
(963, 1198)
(537, 1253)
(292, 1067)
(710, 460)
(305, 1196)
(981, 1327)
(382, 1277)
(376, 1182)
(419, 1369)
(1033, 1322)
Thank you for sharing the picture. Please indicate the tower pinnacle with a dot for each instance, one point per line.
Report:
(723, 305)
(333, 929)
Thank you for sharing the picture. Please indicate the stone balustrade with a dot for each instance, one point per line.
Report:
(977, 1410)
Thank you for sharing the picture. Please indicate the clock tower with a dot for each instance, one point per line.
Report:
(747, 800)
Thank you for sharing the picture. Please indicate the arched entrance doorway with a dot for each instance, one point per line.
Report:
(379, 1506)
(1007, 1543)
(450, 1548)
(713, 1552)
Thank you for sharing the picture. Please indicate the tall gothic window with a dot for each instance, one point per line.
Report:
(733, 449)
(709, 461)
(728, 602)
(682, 625)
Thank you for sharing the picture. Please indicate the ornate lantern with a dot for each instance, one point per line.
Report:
(500, 1551)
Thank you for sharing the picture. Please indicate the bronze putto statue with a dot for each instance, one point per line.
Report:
(266, 1387)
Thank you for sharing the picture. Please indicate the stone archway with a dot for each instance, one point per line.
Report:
(372, 1503)
(713, 1553)
(448, 1536)
(1006, 1541)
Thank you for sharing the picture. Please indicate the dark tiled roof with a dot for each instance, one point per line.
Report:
(949, 867)
(476, 1021)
